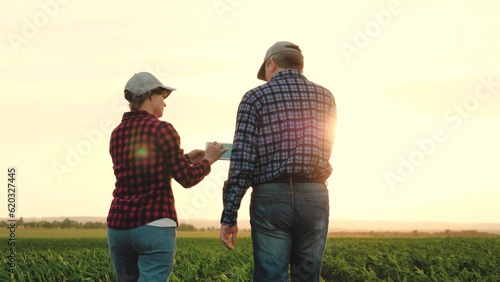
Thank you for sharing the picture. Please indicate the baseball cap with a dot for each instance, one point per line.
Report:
(143, 82)
(276, 48)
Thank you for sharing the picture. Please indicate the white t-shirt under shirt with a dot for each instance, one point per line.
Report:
(163, 222)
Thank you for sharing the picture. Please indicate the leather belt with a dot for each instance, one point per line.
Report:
(296, 179)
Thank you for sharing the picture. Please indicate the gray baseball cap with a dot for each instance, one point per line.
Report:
(143, 82)
(276, 48)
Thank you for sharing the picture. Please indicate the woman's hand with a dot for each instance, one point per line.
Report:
(196, 155)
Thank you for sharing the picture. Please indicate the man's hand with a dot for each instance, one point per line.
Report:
(214, 151)
(227, 232)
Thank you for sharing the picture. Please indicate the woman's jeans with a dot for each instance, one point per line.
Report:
(145, 253)
(289, 229)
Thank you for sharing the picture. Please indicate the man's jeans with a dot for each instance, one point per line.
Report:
(145, 253)
(289, 228)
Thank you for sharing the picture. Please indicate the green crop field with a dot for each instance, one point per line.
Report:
(201, 257)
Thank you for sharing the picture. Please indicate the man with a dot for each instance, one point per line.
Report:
(282, 146)
(146, 155)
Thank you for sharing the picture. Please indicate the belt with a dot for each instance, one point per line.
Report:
(296, 179)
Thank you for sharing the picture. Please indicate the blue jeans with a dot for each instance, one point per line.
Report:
(145, 253)
(289, 230)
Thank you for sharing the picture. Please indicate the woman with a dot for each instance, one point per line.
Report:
(146, 155)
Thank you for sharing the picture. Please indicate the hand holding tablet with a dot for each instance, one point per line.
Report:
(214, 151)
(226, 146)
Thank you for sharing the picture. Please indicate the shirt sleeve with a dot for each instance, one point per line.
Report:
(242, 164)
(181, 170)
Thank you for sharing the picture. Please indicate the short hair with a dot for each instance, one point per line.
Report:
(289, 60)
(137, 102)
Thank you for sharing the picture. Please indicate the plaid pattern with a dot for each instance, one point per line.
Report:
(285, 126)
(146, 155)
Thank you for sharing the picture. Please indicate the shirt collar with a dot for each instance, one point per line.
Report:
(285, 73)
(137, 113)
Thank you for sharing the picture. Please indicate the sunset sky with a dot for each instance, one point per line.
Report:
(417, 85)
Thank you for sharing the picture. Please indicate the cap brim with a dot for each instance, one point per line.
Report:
(168, 88)
(262, 72)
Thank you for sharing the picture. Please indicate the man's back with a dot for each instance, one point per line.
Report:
(294, 121)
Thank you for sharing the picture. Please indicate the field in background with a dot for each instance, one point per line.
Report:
(22, 232)
(50, 255)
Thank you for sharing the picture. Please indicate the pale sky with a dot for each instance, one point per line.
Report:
(417, 87)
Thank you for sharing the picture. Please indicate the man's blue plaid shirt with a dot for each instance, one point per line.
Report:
(285, 126)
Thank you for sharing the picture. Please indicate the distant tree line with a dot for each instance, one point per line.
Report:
(416, 234)
(65, 224)
(68, 223)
